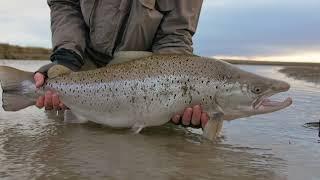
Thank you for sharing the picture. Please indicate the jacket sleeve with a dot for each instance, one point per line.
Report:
(178, 26)
(67, 26)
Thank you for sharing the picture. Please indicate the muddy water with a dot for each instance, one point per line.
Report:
(38, 145)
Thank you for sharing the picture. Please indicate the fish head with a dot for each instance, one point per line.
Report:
(247, 94)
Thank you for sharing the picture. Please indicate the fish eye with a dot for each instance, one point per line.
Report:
(257, 90)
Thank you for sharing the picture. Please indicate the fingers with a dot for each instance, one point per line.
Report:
(39, 79)
(192, 116)
(176, 119)
(48, 100)
(40, 102)
(55, 101)
(196, 115)
(187, 115)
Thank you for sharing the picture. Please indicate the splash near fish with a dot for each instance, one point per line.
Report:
(148, 91)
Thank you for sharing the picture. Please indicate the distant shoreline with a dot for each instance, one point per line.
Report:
(252, 62)
(13, 52)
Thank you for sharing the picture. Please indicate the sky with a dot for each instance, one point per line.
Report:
(286, 30)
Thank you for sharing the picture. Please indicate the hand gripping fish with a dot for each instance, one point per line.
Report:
(148, 91)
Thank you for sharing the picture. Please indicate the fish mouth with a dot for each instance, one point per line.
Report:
(265, 105)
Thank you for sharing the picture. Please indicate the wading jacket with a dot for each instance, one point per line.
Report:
(98, 28)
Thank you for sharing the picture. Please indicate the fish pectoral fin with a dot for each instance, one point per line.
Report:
(213, 127)
(136, 128)
(70, 117)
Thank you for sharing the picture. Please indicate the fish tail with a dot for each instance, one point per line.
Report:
(18, 88)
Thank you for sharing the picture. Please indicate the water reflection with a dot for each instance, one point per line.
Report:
(73, 151)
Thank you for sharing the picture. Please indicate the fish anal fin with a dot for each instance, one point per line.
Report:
(213, 127)
(137, 128)
(70, 117)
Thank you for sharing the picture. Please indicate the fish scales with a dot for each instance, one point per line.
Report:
(149, 90)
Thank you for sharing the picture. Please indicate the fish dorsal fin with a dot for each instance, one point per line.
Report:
(125, 56)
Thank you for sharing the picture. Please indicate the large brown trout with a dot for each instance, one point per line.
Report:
(148, 91)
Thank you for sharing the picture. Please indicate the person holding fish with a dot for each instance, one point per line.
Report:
(88, 34)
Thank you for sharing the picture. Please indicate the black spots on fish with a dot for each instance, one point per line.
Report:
(210, 97)
(132, 100)
(151, 99)
(175, 95)
(202, 81)
(184, 90)
(116, 89)
(217, 87)
(145, 97)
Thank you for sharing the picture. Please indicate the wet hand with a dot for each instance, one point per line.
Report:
(50, 100)
(191, 117)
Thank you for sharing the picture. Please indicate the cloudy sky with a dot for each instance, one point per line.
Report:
(249, 29)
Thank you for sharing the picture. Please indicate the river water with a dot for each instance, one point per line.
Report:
(38, 145)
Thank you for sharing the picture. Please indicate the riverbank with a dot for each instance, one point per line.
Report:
(8, 51)
(306, 73)
(274, 63)
(14, 52)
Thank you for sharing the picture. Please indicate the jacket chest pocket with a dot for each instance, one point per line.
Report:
(141, 27)
(104, 22)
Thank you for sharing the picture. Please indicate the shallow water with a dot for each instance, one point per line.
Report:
(36, 145)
